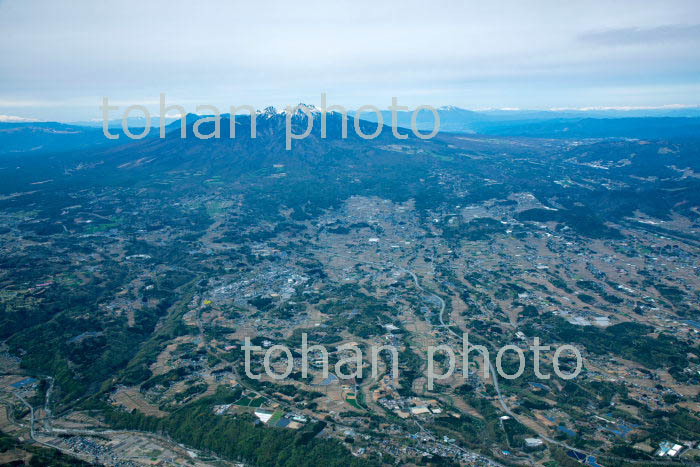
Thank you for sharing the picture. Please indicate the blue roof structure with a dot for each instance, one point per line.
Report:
(24, 382)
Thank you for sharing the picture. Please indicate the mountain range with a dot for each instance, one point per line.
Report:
(46, 137)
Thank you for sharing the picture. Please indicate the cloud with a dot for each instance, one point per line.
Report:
(507, 53)
(644, 36)
(14, 118)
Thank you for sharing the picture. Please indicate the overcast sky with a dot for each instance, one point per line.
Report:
(57, 59)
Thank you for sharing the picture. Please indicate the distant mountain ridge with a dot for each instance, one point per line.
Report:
(47, 137)
(459, 116)
(54, 137)
(652, 123)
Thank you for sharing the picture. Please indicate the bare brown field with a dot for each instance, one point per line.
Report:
(132, 399)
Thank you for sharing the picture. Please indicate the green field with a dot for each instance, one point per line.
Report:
(248, 402)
